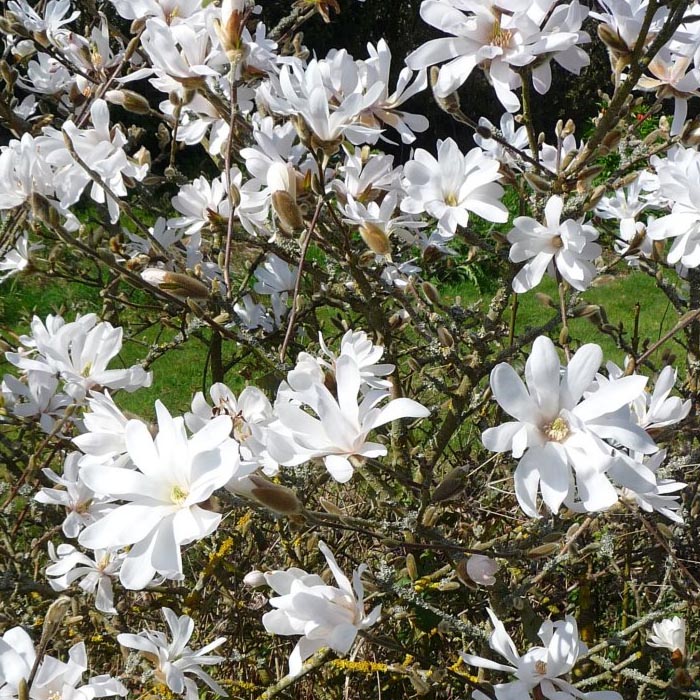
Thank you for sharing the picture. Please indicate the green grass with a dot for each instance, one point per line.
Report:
(617, 297)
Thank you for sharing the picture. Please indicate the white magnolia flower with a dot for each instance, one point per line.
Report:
(174, 659)
(672, 77)
(79, 352)
(538, 672)
(83, 507)
(567, 246)
(342, 425)
(662, 497)
(101, 149)
(679, 179)
(70, 565)
(668, 634)
(323, 615)
(555, 431)
(250, 415)
(517, 138)
(17, 259)
(53, 679)
(103, 440)
(501, 36)
(365, 353)
(161, 512)
(451, 186)
(54, 17)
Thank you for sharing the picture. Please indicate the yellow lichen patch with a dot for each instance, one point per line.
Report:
(368, 667)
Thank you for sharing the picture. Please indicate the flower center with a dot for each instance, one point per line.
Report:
(556, 431)
(451, 199)
(541, 667)
(241, 429)
(178, 495)
(500, 37)
(557, 242)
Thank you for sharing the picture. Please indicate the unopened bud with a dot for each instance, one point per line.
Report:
(544, 550)
(276, 497)
(448, 103)
(445, 337)
(538, 183)
(176, 283)
(431, 293)
(287, 211)
(129, 100)
(375, 239)
(411, 567)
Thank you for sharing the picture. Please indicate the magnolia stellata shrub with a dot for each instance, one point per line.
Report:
(233, 202)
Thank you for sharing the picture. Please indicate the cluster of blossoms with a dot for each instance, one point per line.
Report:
(135, 499)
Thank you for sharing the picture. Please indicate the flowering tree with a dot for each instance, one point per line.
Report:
(221, 188)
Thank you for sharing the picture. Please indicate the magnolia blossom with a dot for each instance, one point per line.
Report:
(70, 565)
(679, 179)
(668, 634)
(538, 672)
(451, 186)
(566, 246)
(161, 512)
(559, 427)
(83, 507)
(323, 615)
(501, 37)
(79, 352)
(342, 425)
(17, 259)
(52, 679)
(356, 344)
(174, 659)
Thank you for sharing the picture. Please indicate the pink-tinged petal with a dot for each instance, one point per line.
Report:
(526, 480)
(511, 394)
(542, 376)
(579, 374)
(610, 397)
